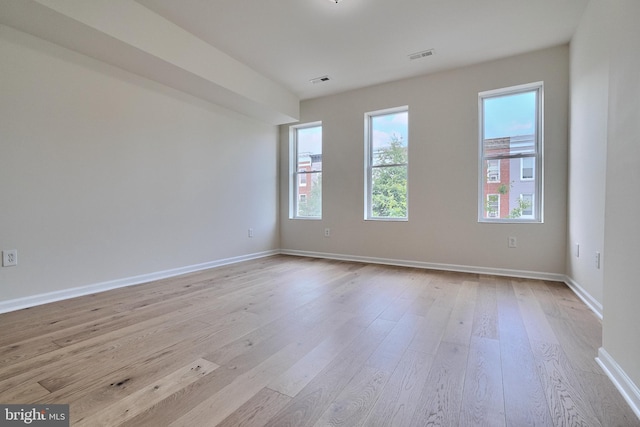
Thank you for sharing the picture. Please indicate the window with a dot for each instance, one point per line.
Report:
(302, 176)
(387, 164)
(510, 154)
(306, 171)
(493, 170)
(526, 205)
(493, 205)
(526, 168)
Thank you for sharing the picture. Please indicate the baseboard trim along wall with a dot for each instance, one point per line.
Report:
(591, 302)
(32, 301)
(620, 379)
(585, 296)
(432, 266)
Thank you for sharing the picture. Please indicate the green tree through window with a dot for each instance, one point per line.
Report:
(389, 183)
(312, 206)
(387, 158)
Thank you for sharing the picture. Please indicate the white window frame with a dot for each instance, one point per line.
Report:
(538, 208)
(294, 171)
(368, 163)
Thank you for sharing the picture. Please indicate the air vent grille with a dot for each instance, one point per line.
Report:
(321, 79)
(419, 55)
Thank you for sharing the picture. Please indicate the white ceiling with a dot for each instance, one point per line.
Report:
(359, 43)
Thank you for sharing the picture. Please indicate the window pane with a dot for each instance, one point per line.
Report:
(511, 150)
(310, 196)
(510, 115)
(310, 148)
(389, 139)
(389, 192)
(387, 164)
(510, 124)
(306, 197)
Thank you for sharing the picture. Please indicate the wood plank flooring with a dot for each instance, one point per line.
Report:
(289, 341)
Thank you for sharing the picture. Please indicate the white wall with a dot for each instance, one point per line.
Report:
(588, 148)
(443, 171)
(603, 180)
(621, 339)
(106, 175)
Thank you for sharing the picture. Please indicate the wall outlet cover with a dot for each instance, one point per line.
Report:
(9, 258)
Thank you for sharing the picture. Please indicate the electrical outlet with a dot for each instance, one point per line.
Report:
(9, 258)
(512, 242)
(250, 232)
(577, 250)
(327, 232)
(598, 260)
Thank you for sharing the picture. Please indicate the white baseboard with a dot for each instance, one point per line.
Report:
(432, 266)
(623, 383)
(585, 296)
(31, 301)
(591, 302)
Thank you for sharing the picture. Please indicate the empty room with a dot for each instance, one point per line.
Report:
(319, 212)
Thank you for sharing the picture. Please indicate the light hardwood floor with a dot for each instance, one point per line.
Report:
(287, 341)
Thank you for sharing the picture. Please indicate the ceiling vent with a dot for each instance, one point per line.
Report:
(419, 55)
(320, 79)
